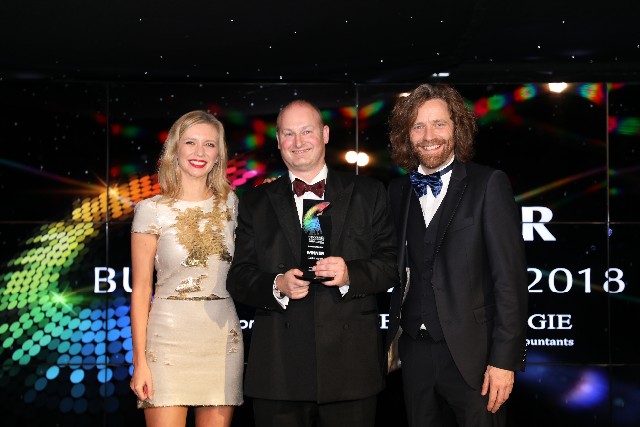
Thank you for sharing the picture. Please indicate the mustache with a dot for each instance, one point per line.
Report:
(430, 142)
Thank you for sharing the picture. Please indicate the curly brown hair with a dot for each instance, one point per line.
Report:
(404, 115)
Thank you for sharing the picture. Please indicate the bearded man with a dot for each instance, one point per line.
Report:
(461, 308)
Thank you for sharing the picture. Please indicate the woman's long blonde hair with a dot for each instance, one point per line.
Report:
(168, 174)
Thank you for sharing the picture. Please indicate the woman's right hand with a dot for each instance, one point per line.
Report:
(141, 383)
(268, 180)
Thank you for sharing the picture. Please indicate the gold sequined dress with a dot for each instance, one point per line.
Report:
(194, 340)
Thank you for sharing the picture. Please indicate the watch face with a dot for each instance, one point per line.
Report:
(278, 294)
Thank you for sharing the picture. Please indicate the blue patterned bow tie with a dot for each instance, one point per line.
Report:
(420, 182)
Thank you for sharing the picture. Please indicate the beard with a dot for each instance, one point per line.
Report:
(433, 160)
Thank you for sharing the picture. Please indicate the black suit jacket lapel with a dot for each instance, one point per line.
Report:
(402, 232)
(338, 193)
(281, 198)
(457, 186)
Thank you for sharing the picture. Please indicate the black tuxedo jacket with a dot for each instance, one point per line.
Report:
(479, 270)
(324, 347)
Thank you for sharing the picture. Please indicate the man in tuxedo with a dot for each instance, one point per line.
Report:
(316, 354)
(461, 307)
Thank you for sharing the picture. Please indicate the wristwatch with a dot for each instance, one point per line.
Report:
(276, 292)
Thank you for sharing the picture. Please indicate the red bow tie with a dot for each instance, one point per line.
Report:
(300, 187)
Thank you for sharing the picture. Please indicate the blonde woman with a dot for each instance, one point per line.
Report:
(187, 340)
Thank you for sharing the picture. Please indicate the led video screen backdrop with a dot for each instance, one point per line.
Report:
(75, 158)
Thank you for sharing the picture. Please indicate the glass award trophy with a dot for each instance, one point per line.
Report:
(316, 235)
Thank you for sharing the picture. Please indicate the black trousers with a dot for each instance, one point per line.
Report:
(285, 413)
(434, 391)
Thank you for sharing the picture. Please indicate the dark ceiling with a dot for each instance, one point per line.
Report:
(325, 41)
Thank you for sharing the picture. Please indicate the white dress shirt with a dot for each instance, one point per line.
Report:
(430, 203)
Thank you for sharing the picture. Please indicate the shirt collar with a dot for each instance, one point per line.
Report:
(321, 175)
(421, 169)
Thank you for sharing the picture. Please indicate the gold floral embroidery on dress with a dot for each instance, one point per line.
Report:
(190, 284)
(234, 337)
(201, 234)
(153, 229)
(184, 297)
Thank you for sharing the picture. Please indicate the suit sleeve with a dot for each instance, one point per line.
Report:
(378, 272)
(246, 283)
(505, 249)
